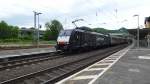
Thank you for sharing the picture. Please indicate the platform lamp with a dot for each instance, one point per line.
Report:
(37, 30)
(136, 15)
(38, 36)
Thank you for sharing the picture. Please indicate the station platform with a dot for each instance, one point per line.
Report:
(22, 52)
(128, 66)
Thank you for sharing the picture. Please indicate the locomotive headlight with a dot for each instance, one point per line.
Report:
(62, 43)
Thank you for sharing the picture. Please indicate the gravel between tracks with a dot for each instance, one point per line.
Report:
(12, 73)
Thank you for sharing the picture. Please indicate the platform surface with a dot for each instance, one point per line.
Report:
(15, 53)
(128, 66)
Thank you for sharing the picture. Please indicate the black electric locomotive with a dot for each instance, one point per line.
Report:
(81, 38)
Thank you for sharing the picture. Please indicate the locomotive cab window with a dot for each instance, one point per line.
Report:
(65, 33)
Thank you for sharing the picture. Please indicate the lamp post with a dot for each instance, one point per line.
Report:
(36, 30)
(38, 36)
(34, 33)
(136, 15)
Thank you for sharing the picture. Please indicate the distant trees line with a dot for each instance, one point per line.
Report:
(8, 31)
(14, 33)
(105, 31)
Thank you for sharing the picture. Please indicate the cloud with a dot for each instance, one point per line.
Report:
(20, 12)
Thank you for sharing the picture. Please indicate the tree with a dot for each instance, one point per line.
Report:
(52, 30)
(123, 30)
(100, 30)
(3, 29)
(8, 31)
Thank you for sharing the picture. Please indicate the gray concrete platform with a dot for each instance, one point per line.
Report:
(128, 66)
(132, 68)
(15, 53)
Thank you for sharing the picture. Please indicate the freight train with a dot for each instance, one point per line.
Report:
(83, 38)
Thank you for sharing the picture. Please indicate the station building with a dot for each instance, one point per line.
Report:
(29, 32)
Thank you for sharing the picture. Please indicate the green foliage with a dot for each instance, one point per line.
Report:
(27, 37)
(52, 42)
(9, 40)
(48, 35)
(85, 28)
(123, 30)
(105, 31)
(26, 34)
(100, 30)
(52, 30)
(8, 31)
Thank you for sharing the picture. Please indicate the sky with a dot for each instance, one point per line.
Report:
(109, 14)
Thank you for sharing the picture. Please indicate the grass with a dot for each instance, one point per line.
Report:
(24, 43)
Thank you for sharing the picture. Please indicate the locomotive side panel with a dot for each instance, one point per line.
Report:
(76, 39)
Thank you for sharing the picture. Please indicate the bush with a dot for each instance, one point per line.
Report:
(10, 40)
(8, 31)
(26, 38)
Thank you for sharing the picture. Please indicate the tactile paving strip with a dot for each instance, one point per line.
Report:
(90, 74)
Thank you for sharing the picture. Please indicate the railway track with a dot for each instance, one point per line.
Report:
(30, 60)
(53, 74)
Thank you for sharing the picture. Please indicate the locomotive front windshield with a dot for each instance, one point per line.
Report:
(65, 33)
